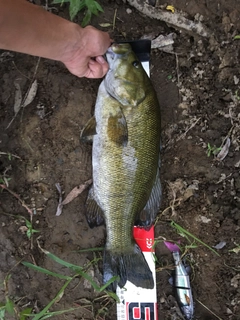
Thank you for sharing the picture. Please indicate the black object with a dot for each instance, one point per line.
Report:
(142, 48)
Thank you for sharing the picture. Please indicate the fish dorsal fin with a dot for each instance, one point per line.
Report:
(148, 214)
(89, 130)
(94, 215)
(128, 93)
(117, 128)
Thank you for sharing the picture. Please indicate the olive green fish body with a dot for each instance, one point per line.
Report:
(125, 163)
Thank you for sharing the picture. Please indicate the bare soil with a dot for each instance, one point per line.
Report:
(198, 90)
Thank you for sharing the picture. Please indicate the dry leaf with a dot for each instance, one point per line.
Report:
(23, 229)
(31, 93)
(59, 297)
(76, 191)
(220, 245)
(72, 195)
(224, 151)
(105, 25)
(163, 41)
(18, 97)
(236, 250)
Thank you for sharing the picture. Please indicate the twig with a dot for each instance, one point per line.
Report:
(184, 134)
(14, 64)
(175, 19)
(114, 19)
(17, 196)
(177, 69)
(33, 260)
(214, 314)
(12, 155)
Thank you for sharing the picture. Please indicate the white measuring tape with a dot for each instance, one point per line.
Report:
(137, 303)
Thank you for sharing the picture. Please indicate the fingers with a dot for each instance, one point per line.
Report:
(97, 68)
(86, 59)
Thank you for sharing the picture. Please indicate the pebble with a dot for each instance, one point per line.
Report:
(228, 311)
(162, 300)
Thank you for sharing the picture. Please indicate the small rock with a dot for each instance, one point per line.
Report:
(235, 80)
(162, 300)
(129, 11)
(203, 219)
(227, 25)
(228, 311)
(187, 194)
(235, 280)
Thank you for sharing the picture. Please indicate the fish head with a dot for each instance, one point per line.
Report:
(188, 312)
(126, 80)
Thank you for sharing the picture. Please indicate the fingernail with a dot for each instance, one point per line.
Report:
(100, 59)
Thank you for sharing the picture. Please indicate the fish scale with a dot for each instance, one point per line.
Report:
(125, 181)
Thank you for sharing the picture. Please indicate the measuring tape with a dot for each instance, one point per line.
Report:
(137, 303)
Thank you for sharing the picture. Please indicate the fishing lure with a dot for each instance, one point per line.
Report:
(182, 283)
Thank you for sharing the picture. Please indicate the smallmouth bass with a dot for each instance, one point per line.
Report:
(125, 159)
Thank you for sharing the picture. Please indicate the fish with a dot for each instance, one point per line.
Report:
(126, 189)
(182, 283)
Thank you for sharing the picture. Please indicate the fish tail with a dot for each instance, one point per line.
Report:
(130, 266)
(173, 247)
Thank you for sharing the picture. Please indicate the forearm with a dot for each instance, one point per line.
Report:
(30, 29)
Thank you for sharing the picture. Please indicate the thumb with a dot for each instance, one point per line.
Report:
(97, 68)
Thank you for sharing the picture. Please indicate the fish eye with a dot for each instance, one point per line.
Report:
(136, 63)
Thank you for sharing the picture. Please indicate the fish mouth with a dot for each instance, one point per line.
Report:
(110, 55)
(117, 49)
(188, 312)
(121, 48)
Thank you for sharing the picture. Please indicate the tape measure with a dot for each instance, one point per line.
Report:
(137, 303)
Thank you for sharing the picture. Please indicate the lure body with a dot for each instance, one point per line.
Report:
(183, 287)
(181, 282)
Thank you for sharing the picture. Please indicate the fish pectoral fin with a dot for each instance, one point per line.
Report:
(117, 128)
(89, 130)
(129, 94)
(94, 215)
(147, 216)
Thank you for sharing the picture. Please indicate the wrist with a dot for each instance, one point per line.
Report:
(87, 42)
(72, 42)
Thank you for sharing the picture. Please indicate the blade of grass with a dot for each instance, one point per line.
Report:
(60, 261)
(113, 295)
(43, 270)
(56, 313)
(115, 278)
(90, 249)
(78, 270)
(59, 294)
(9, 306)
(185, 232)
(93, 283)
(25, 313)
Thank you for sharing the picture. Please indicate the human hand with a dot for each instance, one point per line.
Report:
(85, 58)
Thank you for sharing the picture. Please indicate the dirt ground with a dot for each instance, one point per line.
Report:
(198, 89)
